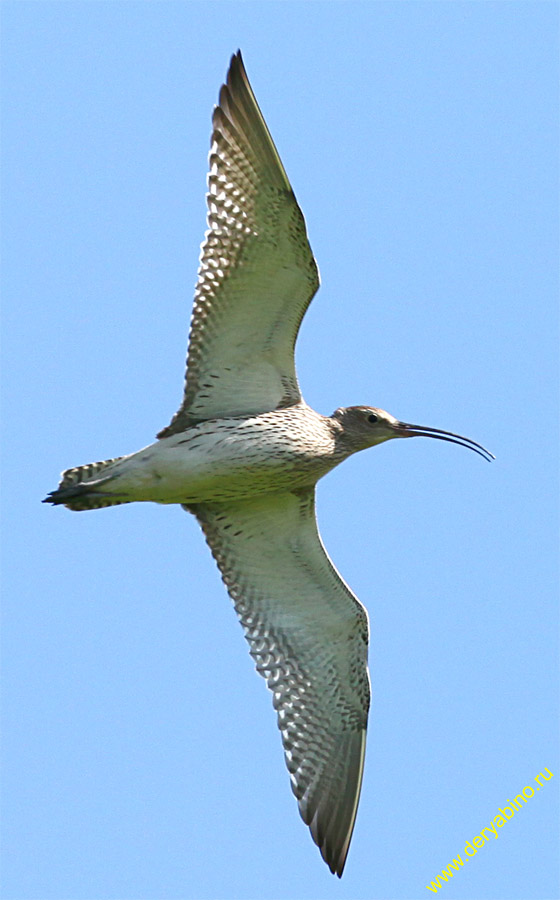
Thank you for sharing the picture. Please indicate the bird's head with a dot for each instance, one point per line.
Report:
(366, 426)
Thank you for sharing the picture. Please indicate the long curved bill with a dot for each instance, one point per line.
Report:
(405, 430)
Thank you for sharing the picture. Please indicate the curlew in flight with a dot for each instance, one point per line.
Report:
(243, 454)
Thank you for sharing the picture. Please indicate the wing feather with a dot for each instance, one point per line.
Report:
(308, 635)
(257, 273)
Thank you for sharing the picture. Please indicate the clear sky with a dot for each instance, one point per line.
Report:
(141, 756)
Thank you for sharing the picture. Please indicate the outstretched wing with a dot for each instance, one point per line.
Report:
(308, 635)
(257, 273)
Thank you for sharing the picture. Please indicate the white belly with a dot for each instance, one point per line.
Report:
(225, 460)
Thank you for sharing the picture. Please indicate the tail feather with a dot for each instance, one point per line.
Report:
(79, 487)
(86, 473)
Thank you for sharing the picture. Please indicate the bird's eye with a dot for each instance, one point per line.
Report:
(372, 418)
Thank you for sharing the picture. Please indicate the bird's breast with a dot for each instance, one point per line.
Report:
(232, 459)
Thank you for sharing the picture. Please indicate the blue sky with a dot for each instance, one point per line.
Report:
(141, 758)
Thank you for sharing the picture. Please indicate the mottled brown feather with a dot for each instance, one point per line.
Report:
(257, 273)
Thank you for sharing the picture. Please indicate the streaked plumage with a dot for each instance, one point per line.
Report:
(241, 349)
(243, 454)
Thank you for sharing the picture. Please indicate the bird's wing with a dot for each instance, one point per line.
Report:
(257, 273)
(308, 635)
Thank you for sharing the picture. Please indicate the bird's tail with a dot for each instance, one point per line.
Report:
(81, 487)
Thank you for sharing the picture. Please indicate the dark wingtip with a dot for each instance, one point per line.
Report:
(236, 62)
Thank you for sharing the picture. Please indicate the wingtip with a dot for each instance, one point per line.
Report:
(236, 63)
(332, 830)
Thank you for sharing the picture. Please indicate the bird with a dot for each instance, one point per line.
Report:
(243, 454)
